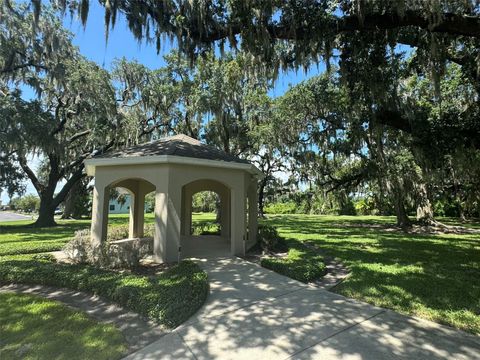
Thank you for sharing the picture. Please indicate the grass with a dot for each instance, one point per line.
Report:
(301, 263)
(433, 276)
(169, 298)
(436, 277)
(72, 335)
(18, 237)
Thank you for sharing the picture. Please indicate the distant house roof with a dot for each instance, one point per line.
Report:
(178, 145)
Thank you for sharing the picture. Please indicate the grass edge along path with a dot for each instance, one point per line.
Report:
(300, 263)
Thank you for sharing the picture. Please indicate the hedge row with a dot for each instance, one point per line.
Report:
(168, 299)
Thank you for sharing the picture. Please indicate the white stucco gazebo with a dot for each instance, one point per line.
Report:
(176, 168)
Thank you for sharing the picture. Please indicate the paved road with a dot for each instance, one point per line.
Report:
(253, 313)
(10, 216)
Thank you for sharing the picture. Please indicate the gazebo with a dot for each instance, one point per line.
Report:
(176, 168)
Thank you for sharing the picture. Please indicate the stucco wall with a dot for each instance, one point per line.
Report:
(169, 182)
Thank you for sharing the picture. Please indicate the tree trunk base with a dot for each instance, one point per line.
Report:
(428, 221)
(46, 221)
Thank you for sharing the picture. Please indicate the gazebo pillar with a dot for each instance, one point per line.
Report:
(225, 213)
(137, 211)
(166, 241)
(187, 213)
(238, 220)
(252, 212)
(99, 213)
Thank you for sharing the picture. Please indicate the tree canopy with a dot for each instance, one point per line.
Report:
(393, 122)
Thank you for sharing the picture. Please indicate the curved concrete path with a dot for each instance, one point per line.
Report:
(253, 313)
(137, 331)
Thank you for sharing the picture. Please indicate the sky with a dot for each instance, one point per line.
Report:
(121, 43)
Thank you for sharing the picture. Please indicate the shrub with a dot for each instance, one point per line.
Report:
(269, 240)
(117, 232)
(80, 249)
(169, 298)
(44, 257)
(111, 255)
(206, 227)
(288, 207)
(301, 263)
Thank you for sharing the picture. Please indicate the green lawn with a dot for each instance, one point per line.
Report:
(432, 276)
(301, 263)
(27, 319)
(17, 237)
(436, 277)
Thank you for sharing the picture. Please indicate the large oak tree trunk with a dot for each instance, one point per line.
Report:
(69, 203)
(423, 203)
(49, 201)
(424, 206)
(399, 203)
(46, 213)
(261, 198)
(393, 185)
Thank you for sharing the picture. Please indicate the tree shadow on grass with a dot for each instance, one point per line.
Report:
(33, 327)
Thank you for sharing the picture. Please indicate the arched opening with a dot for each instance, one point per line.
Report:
(119, 202)
(206, 213)
(205, 218)
(129, 208)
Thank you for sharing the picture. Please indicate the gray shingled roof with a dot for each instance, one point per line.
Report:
(178, 145)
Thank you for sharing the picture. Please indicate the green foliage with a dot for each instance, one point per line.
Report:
(168, 299)
(36, 328)
(150, 202)
(365, 206)
(269, 240)
(205, 227)
(282, 208)
(28, 203)
(73, 115)
(300, 263)
(78, 202)
(313, 201)
(205, 201)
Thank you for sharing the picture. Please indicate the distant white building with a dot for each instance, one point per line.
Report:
(122, 207)
(115, 207)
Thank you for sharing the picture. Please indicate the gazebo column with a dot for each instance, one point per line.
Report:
(252, 212)
(187, 213)
(99, 213)
(166, 244)
(238, 218)
(137, 211)
(225, 214)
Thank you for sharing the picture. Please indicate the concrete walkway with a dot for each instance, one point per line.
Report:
(253, 313)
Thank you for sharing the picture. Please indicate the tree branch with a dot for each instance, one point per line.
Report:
(78, 135)
(13, 68)
(31, 175)
(76, 176)
(449, 23)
